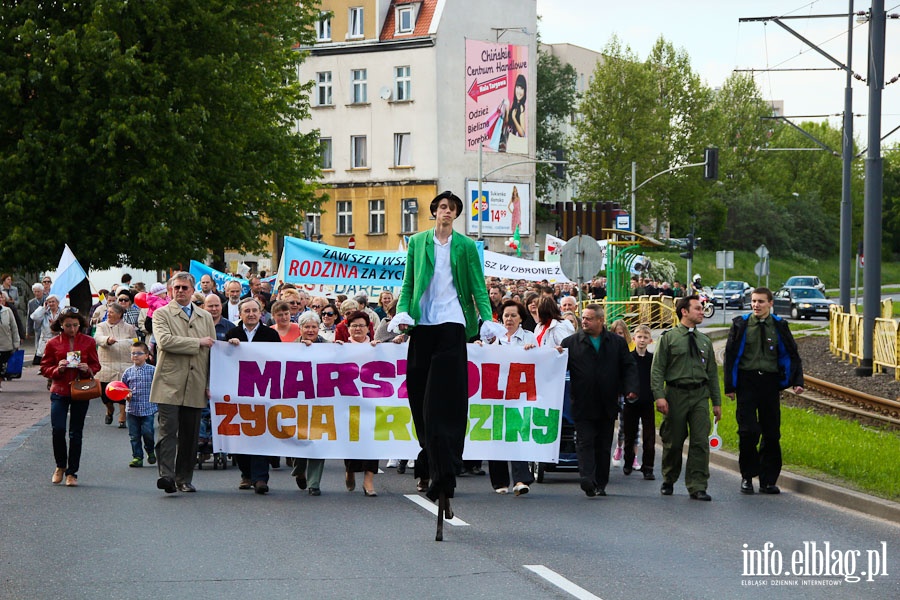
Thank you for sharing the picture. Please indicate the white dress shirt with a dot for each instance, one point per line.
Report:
(440, 302)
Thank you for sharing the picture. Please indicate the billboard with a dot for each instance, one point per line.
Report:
(496, 95)
(503, 206)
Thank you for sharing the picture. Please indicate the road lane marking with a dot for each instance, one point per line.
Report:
(561, 582)
(432, 508)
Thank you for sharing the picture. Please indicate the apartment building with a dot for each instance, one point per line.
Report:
(389, 103)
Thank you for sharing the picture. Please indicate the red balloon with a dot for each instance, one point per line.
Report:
(140, 300)
(117, 391)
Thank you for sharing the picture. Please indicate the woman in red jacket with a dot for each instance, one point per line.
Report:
(68, 355)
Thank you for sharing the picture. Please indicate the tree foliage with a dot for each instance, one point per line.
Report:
(555, 99)
(151, 132)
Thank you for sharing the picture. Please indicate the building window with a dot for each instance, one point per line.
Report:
(313, 226)
(409, 215)
(376, 216)
(402, 155)
(323, 89)
(402, 84)
(356, 22)
(360, 95)
(325, 153)
(344, 218)
(323, 28)
(405, 21)
(358, 151)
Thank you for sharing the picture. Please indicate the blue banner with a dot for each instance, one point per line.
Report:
(307, 262)
(198, 270)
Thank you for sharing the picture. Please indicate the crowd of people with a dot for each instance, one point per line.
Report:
(162, 356)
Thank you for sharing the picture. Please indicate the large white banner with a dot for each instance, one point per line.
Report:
(350, 401)
(501, 265)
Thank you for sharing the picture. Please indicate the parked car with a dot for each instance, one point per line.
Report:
(735, 294)
(805, 281)
(801, 302)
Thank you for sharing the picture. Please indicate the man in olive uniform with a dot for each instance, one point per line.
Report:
(761, 359)
(684, 378)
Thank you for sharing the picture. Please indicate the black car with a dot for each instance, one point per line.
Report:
(801, 302)
(736, 293)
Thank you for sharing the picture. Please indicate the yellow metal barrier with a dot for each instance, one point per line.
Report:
(656, 311)
(846, 338)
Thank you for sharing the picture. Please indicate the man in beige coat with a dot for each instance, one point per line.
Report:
(184, 334)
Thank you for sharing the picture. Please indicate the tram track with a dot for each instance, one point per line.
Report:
(843, 399)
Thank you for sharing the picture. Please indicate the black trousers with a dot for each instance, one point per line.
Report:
(438, 385)
(593, 441)
(641, 413)
(759, 426)
(499, 471)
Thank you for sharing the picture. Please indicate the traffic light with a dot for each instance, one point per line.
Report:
(690, 247)
(711, 163)
(560, 166)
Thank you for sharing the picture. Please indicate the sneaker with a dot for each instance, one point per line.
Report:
(411, 464)
(151, 458)
(502, 490)
(136, 462)
(520, 489)
(392, 464)
(636, 465)
(618, 453)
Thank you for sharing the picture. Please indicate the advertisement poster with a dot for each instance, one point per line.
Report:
(497, 92)
(504, 206)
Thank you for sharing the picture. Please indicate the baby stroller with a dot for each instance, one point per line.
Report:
(568, 459)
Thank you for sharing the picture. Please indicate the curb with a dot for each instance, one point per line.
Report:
(819, 490)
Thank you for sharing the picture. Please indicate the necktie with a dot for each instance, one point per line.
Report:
(692, 339)
(187, 311)
(762, 336)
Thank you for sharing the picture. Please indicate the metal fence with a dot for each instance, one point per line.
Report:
(846, 337)
(656, 311)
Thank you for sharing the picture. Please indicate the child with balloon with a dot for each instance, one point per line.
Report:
(135, 387)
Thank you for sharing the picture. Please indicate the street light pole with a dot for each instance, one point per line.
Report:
(633, 204)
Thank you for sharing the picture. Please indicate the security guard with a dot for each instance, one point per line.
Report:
(683, 378)
(761, 359)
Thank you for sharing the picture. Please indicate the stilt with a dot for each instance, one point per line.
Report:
(442, 502)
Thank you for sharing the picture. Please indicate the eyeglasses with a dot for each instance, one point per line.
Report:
(124, 300)
(70, 310)
(138, 353)
(327, 314)
(181, 287)
(46, 281)
(293, 302)
(358, 325)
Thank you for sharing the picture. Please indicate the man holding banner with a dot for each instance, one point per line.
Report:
(442, 296)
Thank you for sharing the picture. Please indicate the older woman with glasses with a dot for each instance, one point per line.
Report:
(318, 303)
(292, 297)
(46, 314)
(114, 338)
(311, 468)
(358, 324)
(66, 357)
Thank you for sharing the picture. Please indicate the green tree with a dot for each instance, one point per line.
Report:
(646, 112)
(151, 132)
(555, 99)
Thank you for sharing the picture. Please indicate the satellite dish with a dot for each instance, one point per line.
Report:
(385, 93)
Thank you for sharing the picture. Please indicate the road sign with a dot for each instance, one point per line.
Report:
(762, 252)
(351, 242)
(581, 258)
(724, 259)
(761, 269)
(623, 222)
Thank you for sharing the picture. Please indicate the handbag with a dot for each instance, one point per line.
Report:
(84, 389)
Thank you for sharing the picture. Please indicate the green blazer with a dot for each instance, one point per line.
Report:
(468, 278)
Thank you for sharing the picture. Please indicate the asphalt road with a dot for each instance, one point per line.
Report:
(117, 536)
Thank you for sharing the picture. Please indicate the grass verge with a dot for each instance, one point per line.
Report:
(831, 449)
